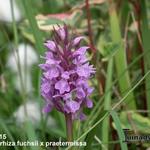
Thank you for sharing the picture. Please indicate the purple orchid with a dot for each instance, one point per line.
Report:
(66, 72)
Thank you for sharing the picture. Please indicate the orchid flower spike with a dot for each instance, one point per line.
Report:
(66, 71)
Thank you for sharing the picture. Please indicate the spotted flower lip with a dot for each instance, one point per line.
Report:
(66, 71)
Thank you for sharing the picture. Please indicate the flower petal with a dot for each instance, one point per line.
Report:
(61, 32)
(72, 107)
(89, 103)
(80, 93)
(43, 66)
(63, 86)
(50, 45)
(89, 90)
(65, 75)
(85, 70)
(82, 116)
(77, 40)
(45, 87)
(47, 108)
(53, 72)
(81, 51)
(52, 61)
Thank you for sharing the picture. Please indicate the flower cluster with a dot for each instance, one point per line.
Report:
(64, 84)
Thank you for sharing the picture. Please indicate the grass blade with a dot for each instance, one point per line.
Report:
(30, 133)
(36, 32)
(120, 58)
(119, 130)
(145, 39)
(7, 132)
(90, 136)
(107, 102)
(115, 106)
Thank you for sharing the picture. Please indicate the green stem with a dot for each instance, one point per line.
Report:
(69, 125)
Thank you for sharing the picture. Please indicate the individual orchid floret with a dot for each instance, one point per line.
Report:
(66, 71)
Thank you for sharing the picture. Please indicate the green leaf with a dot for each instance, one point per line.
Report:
(110, 49)
(119, 130)
(120, 58)
(135, 121)
(30, 133)
(7, 132)
(90, 136)
(28, 7)
(107, 102)
(145, 41)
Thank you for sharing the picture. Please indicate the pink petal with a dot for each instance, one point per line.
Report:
(77, 40)
(50, 45)
(89, 103)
